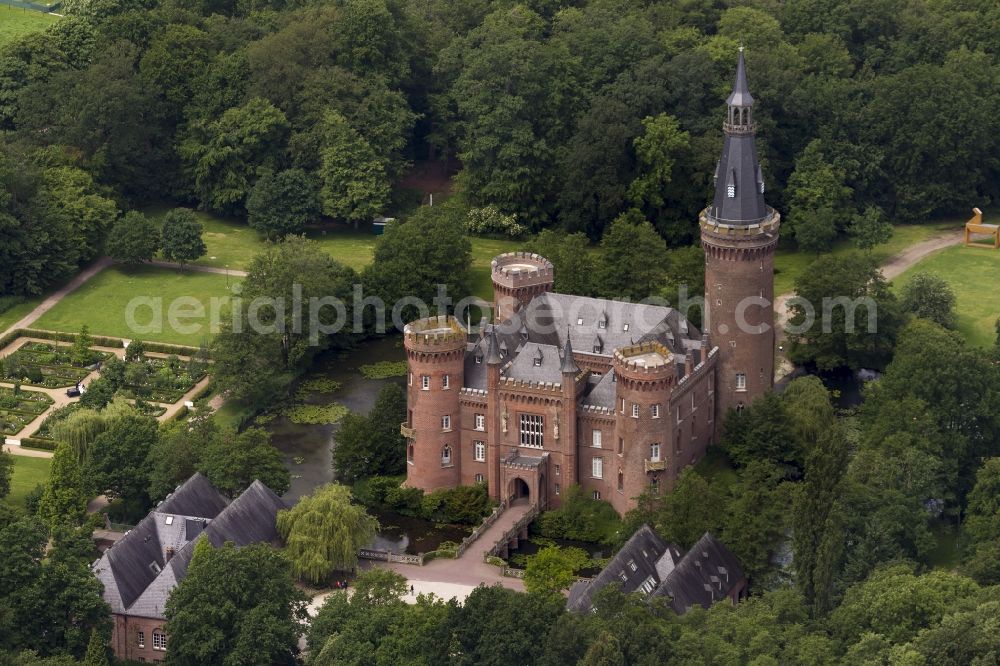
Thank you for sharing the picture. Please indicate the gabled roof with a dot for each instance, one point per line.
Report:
(195, 497)
(536, 363)
(141, 569)
(703, 576)
(632, 566)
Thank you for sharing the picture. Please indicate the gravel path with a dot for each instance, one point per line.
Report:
(58, 295)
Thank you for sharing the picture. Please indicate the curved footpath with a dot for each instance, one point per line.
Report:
(891, 269)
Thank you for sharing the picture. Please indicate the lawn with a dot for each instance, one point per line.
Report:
(972, 273)
(230, 242)
(18, 312)
(28, 473)
(789, 264)
(101, 303)
(15, 22)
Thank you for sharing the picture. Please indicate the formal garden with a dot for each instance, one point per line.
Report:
(19, 407)
(50, 365)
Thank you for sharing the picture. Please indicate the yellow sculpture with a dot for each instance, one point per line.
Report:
(976, 226)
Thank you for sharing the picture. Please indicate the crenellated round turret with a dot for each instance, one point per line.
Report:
(435, 351)
(644, 376)
(517, 278)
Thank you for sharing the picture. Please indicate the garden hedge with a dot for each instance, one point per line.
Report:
(38, 443)
(100, 341)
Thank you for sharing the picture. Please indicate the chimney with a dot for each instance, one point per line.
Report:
(688, 362)
(170, 553)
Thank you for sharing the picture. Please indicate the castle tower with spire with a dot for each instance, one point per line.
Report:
(739, 233)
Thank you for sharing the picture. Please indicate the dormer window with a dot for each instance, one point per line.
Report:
(579, 321)
(602, 324)
(731, 191)
(479, 359)
(625, 327)
(538, 361)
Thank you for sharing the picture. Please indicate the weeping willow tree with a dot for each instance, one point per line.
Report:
(324, 531)
(79, 430)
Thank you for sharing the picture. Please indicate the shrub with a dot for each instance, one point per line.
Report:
(581, 518)
(37, 443)
(490, 220)
(464, 504)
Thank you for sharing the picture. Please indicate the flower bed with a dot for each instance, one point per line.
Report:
(162, 380)
(48, 365)
(19, 409)
(31, 403)
(12, 423)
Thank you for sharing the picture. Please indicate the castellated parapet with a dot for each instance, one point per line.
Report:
(646, 366)
(517, 278)
(435, 336)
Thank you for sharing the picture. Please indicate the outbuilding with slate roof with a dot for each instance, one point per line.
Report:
(143, 567)
(648, 565)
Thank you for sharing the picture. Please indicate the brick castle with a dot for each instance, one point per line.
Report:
(617, 397)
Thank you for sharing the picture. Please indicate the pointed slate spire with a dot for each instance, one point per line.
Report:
(739, 196)
(741, 89)
(493, 351)
(569, 366)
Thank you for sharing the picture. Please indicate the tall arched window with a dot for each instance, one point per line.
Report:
(621, 481)
(446, 455)
(409, 452)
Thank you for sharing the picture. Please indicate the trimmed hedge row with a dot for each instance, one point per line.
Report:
(100, 341)
(40, 444)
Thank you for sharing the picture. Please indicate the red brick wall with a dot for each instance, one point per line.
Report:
(731, 276)
(425, 410)
(125, 635)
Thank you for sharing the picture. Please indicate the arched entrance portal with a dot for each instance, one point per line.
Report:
(518, 489)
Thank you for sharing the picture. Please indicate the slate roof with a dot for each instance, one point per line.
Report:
(550, 317)
(741, 89)
(633, 565)
(552, 322)
(195, 497)
(536, 363)
(703, 575)
(602, 391)
(141, 569)
(739, 167)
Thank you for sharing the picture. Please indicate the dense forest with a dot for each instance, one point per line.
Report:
(565, 114)
(579, 121)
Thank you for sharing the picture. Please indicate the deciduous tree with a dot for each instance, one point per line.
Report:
(324, 531)
(283, 203)
(133, 239)
(233, 461)
(553, 569)
(931, 297)
(235, 606)
(181, 236)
